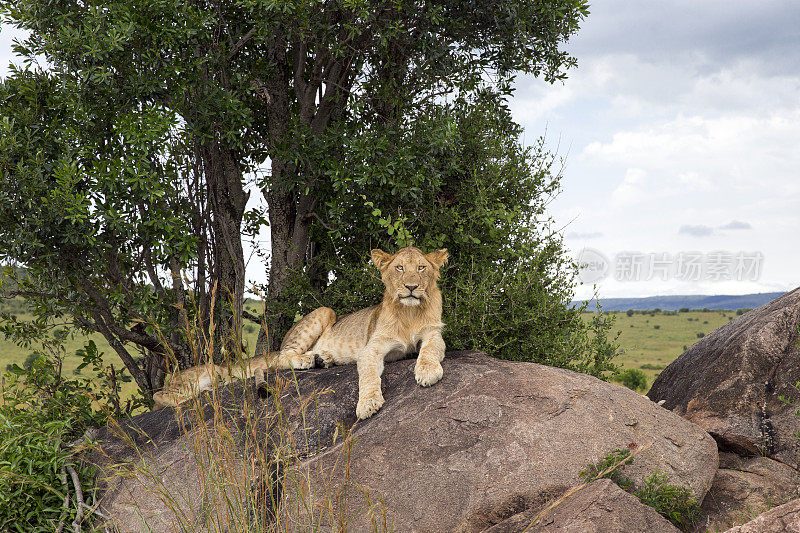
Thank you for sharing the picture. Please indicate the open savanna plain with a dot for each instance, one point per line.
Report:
(649, 340)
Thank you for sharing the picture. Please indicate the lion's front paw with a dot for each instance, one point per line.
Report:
(428, 372)
(302, 362)
(323, 360)
(369, 405)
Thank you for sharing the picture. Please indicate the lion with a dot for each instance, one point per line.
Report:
(185, 385)
(182, 386)
(408, 319)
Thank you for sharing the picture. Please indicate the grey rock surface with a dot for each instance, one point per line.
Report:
(747, 486)
(730, 382)
(491, 440)
(782, 519)
(600, 507)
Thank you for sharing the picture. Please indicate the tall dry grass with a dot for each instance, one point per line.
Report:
(244, 462)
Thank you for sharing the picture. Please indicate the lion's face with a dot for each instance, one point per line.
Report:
(409, 275)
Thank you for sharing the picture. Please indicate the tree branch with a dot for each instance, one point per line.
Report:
(241, 42)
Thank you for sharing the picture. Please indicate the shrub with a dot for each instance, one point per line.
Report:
(700, 335)
(673, 502)
(41, 413)
(683, 310)
(656, 326)
(633, 378)
(649, 366)
(629, 312)
(610, 467)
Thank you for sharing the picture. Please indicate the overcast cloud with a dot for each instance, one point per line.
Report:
(681, 133)
(681, 121)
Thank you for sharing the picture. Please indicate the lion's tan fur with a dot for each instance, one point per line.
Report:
(408, 319)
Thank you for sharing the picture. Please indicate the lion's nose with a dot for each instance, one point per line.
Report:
(411, 287)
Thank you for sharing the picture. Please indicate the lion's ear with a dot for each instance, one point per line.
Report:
(380, 258)
(438, 258)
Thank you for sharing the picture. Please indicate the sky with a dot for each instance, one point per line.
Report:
(680, 135)
(680, 131)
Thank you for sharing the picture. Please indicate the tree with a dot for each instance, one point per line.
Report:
(166, 108)
(509, 284)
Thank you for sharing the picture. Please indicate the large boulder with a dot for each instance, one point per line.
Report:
(747, 486)
(782, 519)
(491, 440)
(730, 383)
(600, 507)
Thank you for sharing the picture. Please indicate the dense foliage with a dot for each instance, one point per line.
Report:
(125, 167)
(633, 378)
(508, 286)
(43, 417)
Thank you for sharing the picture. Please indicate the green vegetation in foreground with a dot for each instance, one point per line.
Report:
(651, 340)
(673, 502)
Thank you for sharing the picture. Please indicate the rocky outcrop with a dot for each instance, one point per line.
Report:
(731, 381)
(599, 507)
(747, 486)
(493, 439)
(782, 519)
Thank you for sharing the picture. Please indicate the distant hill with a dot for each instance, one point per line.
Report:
(676, 302)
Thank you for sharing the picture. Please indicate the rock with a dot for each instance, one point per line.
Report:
(599, 507)
(783, 519)
(747, 486)
(492, 439)
(730, 382)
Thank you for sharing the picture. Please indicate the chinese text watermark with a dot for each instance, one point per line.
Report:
(594, 266)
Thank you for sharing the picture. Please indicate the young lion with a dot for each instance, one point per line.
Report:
(408, 319)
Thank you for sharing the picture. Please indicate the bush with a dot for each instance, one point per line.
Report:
(700, 335)
(629, 312)
(649, 366)
(673, 502)
(633, 378)
(516, 315)
(656, 326)
(611, 467)
(41, 414)
(683, 310)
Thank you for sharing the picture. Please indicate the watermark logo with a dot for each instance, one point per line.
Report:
(594, 266)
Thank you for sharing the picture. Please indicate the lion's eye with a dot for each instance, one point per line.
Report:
(421, 267)
(399, 267)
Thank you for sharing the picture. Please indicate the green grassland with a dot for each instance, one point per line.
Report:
(649, 340)
(11, 354)
(652, 340)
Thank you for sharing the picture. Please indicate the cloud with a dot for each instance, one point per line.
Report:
(712, 32)
(696, 231)
(631, 190)
(736, 224)
(579, 235)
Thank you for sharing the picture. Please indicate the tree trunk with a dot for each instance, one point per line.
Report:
(228, 200)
